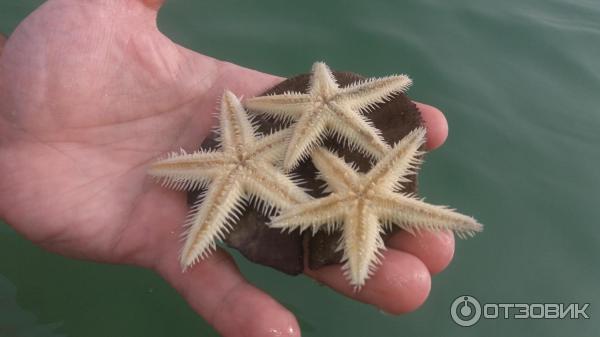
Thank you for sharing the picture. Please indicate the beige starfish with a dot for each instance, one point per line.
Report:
(362, 205)
(241, 171)
(327, 108)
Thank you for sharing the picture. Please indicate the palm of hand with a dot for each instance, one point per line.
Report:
(111, 97)
(92, 93)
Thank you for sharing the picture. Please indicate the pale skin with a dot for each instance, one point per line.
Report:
(91, 92)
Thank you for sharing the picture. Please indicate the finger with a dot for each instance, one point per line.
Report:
(142, 9)
(399, 285)
(435, 249)
(436, 124)
(153, 4)
(216, 290)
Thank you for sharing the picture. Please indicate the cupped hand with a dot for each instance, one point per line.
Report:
(90, 94)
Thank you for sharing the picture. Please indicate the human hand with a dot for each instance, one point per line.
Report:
(90, 94)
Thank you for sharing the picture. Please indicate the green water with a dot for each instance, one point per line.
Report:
(519, 81)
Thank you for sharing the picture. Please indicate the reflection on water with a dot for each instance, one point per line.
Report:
(16, 322)
(518, 81)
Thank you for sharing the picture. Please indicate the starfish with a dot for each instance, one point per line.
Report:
(242, 170)
(364, 205)
(327, 108)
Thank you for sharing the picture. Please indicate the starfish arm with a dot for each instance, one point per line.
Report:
(334, 170)
(211, 218)
(357, 131)
(308, 132)
(322, 82)
(414, 215)
(268, 188)
(361, 243)
(364, 95)
(235, 129)
(286, 107)
(181, 171)
(271, 148)
(390, 172)
(323, 212)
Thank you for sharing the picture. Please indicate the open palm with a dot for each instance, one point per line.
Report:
(90, 94)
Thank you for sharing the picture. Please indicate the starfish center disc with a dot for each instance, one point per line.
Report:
(242, 157)
(318, 105)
